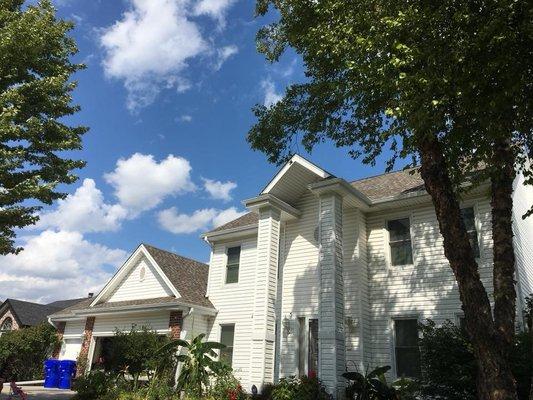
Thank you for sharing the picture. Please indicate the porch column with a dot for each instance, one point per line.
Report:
(86, 343)
(264, 312)
(175, 323)
(331, 340)
(60, 332)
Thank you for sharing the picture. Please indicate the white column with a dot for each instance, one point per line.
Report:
(264, 312)
(331, 339)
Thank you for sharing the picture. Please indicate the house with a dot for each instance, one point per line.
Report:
(16, 314)
(154, 288)
(322, 275)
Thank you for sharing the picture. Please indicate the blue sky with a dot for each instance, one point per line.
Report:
(167, 94)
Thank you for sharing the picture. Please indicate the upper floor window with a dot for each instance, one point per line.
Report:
(401, 252)
(406, 351)
(227, 337)
(232, 266)
(7, 325)
(469, 220)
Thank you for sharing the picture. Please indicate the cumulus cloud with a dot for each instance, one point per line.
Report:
(57, 265)
(141, 183)
(219, 190)
(172, 221)
(185, 118)
(215, 9)
(271, 96)
(84, 211)
(223, 54)
(150, 47)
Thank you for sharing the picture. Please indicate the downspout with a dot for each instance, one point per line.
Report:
(178, 367)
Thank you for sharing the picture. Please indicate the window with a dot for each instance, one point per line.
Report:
(232, 267)
(407, 354)
(401, 252)
(227, 334)
(7, 325)
(469, 220)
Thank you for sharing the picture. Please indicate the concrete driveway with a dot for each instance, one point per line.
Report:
(40, 393)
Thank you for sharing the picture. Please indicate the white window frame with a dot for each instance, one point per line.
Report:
(392, 328)
(228, 246)
(388, 251)
(220, 325)
(474, 205)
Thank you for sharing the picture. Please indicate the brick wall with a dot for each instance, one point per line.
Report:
(84, 352)
(175, 323)
(9, 314)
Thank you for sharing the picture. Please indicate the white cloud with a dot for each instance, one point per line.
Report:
(224, 53)
(215, 9)
(199, 220)
(57, 265)
(150, 47)
(141, 183)
(271, 96)
(219, 190)
(185, 118)
(84, 211)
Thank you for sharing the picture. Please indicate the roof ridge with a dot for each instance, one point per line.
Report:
(383, 174)
(174, 254)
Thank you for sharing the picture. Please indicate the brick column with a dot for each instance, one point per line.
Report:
(265, 288)
(84, 352)
(60, 332)
(331, 339)
(175, 323)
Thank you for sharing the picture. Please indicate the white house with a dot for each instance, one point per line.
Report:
(322, 275)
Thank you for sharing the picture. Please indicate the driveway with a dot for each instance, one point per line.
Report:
(40, 393)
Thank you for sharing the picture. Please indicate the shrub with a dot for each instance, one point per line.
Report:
(22, 352)
(370, 386)
(303, 388)
(92, 386)
(226, 386)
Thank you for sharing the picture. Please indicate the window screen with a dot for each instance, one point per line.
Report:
(400, 241)
(406, 348)
(469, 220)
(232, 267)
(227, 335)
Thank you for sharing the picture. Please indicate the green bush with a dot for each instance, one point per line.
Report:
(449, 368)
(303, 388)
(22, 352)
(94, 385)
(226, 386)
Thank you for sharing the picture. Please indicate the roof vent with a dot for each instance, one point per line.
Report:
(91, 294)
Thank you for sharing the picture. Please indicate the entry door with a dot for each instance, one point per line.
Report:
(312, 362)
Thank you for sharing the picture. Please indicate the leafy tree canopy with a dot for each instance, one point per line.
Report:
(35, 96)
(385, 74)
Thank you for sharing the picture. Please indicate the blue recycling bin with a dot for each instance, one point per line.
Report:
(51, 373)
(67, 372)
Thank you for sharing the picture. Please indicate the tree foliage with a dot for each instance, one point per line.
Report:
(384, 74)
(23, 351)
(35, 96)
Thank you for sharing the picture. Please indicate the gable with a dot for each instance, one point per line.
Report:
(142, 281)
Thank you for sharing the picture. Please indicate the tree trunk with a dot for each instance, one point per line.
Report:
(502, 178)
(495, 380)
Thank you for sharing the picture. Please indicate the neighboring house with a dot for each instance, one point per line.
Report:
(154, 288)
(326, 275)
(17, 314)
(322, 275)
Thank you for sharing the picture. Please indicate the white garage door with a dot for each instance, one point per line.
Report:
(70, 349)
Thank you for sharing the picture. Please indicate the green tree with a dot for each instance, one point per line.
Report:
(23, 351)
(447, 86)
(35, 94)
(199, 363)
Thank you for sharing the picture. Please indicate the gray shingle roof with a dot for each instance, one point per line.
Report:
(376, 188)
(31, 314)
(187, 275)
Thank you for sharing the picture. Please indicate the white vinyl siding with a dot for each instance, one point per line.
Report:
(427, 288)
(106, 325)
(132, 287)
(234, 302)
